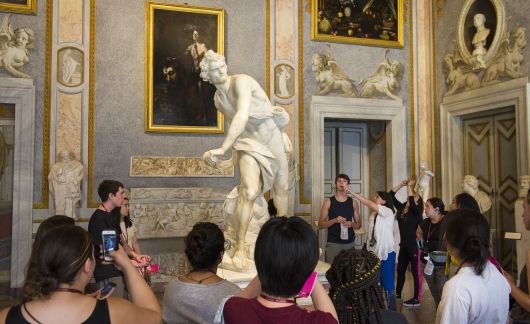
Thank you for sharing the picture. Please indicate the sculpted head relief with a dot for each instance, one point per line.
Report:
(13, 48)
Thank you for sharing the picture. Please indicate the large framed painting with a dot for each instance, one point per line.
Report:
(177, 99)
(19, 6)
(361, 22)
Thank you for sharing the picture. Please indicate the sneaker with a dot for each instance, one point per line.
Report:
(413, 302)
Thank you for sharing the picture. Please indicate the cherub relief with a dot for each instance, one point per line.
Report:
(14, 48)
(507, 62)
(458, 75)
(330, 76)
(385, 81)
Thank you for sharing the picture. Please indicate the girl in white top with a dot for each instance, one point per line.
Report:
(381, 238)
(478, 293)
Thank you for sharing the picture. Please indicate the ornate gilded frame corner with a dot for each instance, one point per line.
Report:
(318, 6)
(499, 30)
(29, 8)
(150, 125)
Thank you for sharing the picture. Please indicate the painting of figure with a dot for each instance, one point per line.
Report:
(178, 99)
(364, 22)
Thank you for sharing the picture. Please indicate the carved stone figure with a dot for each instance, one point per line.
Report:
(424, 179)
(14, 48)
(479, 39)
(525, 185)
(385, 81)
(65, 183)
(283, 76)
(330, 77)
(458, 75)
(507, 62)
(470, 186)
(258, 141)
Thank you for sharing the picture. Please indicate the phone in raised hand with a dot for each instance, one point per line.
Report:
(110, 243)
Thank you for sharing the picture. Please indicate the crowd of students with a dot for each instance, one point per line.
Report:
(65, 258)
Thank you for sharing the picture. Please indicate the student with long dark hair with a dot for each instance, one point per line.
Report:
(478, 293)
(409, 215)
(58, 273)
(381, 239)
(432, 231)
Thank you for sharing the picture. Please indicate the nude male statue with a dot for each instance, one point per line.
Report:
(260, 147)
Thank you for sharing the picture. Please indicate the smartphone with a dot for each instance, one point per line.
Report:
(307, 288)
(110, 243)
(107, 290)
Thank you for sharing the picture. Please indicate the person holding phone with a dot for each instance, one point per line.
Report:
(340, 215)
(381, 239)
(286, 255)
(112, 195)
(57, 276)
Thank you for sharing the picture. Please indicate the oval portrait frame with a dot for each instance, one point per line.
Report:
(499, 31)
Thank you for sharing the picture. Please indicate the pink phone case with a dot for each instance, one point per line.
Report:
(307, 288)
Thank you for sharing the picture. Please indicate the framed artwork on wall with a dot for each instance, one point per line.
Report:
(177, 99)
(19, 6)
(361, 22)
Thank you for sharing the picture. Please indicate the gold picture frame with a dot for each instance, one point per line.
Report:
(177, 99)
(370, 23)
(28, 7)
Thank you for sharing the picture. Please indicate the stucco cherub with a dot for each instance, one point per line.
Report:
(385, 81)
(330, 76)
(458, 75)
(509, 58)
(14, 48)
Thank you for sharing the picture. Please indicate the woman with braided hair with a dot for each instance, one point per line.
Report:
(356, 291)
(478, 293)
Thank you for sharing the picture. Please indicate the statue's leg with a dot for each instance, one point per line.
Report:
(281, 187)
(250, 188)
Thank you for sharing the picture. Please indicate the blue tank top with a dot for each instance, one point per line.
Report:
(344, 209)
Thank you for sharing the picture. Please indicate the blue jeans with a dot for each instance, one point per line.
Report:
(388, 268)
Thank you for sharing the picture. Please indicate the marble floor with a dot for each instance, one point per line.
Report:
(423, 314)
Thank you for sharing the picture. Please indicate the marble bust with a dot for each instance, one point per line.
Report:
(525, 185)
(65, 184)
(470, 186)
(259, 146)
(479, 39)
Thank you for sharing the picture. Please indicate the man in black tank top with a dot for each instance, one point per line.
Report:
(340, 215)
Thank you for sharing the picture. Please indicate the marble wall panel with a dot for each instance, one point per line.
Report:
(171, 265)
(70, 22)
(284, 29)
(172, 166)
(68, 129)
(172, 212)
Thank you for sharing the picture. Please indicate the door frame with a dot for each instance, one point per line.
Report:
(514, 93)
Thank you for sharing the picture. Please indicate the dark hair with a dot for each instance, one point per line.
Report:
(271, 208)
(355, 286)
(116, 212)
(437, 203)
(342, 176)
(286, 253)
(466, 201)
(205, 245)
(61, 253)
(387, 198)
(50, 223)
(467, 231)
(107, 187)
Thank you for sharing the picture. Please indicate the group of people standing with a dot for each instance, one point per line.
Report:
(450, 249)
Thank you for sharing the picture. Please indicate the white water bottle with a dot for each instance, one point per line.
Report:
(343, 232)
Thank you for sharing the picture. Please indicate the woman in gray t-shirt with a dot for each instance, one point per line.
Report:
(196, 296)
